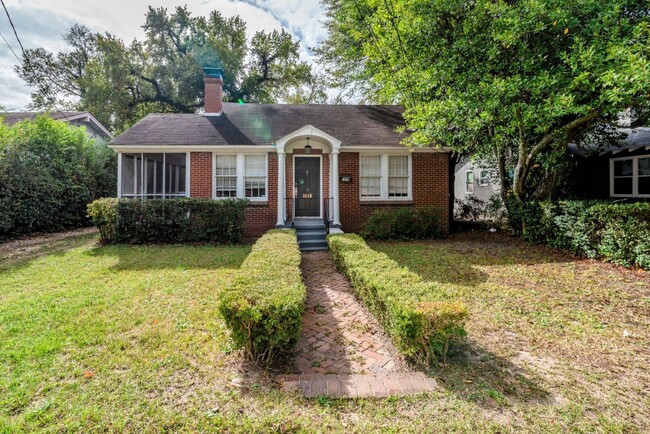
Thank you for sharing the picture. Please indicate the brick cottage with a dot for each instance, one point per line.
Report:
(342, 162)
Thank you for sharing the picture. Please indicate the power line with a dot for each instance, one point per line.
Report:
(10, 47)
(22, 49)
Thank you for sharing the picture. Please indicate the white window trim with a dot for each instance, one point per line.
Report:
(143, 169)
(635, 176)
(466, 183)
(488, 177)
(384, 177)
(240, 164)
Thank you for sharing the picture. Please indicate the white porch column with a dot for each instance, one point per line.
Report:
(281, 188)
(335, 186)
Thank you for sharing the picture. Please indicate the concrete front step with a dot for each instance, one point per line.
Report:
(316, 234)
(312, 245)
(359, 385)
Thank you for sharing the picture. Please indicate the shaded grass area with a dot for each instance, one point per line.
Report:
(128, 339)
(550, 336)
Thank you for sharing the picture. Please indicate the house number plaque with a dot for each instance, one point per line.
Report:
(307, 195)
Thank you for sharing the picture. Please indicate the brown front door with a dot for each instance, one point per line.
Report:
(307, 185)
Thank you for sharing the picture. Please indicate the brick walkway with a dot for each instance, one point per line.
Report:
(343, 351)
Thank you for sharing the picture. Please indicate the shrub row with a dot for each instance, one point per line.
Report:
(140, 221)
(418, 316)
(617, 232)
(404, 224)
(264, 305)
(49, 172)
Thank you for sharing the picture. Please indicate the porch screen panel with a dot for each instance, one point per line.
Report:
(255, 176)
(153, 175)
(175, 169)
(226, 176)
(623, 176)
(398, 176)
(370, 176)
(131, 175)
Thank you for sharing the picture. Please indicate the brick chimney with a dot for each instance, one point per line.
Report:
(213, 81)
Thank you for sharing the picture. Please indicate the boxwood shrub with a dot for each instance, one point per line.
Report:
(264, 305)
(404, 224)
(419, 317)
(139, 221)
(617, 232)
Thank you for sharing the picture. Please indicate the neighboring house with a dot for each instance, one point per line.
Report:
(614, 172)
(473, 179)
(93, 127)
(293, 162)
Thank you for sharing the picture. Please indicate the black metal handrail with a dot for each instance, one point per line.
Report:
(326, 214)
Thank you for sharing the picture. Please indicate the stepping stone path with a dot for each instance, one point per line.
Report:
(342, 351)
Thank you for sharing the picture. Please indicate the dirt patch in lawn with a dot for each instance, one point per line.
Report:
(14, 250)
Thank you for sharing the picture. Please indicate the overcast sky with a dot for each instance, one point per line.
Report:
(40, 23)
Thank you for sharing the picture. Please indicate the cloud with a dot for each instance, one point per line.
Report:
(41, 23)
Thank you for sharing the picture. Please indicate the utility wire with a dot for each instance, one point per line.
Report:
(22, 49)
(10, 47)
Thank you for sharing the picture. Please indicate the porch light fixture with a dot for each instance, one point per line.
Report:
(307, 147)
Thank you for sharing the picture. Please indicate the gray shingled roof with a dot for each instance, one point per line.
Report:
(11, 118)
(635, 138)
(263, 124)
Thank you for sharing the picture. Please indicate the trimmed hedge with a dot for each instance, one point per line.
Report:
(138, 221)
(404, 224)
(417, 315)
(264, 305)
(617, 232)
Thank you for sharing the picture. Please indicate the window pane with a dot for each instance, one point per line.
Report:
(226, 186)
(644, 166)
(398, 166)
(175, 164)
(623, 168)
(622, 185)
(255, 165)
(370, 187)
(255, 186)
(398, 187)
(226, 165)
(469, 182)
(371, 165)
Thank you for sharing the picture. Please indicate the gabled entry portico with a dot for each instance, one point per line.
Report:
(307, 182)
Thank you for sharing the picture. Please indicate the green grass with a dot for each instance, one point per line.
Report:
(128, 339)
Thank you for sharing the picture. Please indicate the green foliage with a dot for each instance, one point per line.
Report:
(404, 224)
(49, 172)
(418, 316)
(617, 232)
(263, 307)
(514, 80)
(121, 83)
(169, 220)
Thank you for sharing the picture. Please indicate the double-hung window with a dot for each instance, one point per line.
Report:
(153, 175)
(385, 177)
(226, 176)
(484, 177)
(240, 175)
(630, 177)
(469, 182)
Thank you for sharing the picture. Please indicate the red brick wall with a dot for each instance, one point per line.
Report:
(430, 187)
(262, 216)
(201, 174)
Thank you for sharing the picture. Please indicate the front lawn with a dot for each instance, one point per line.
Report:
(128, 339)
(550, 336)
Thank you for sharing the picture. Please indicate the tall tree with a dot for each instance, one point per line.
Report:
(519, 79)
(120, 83)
